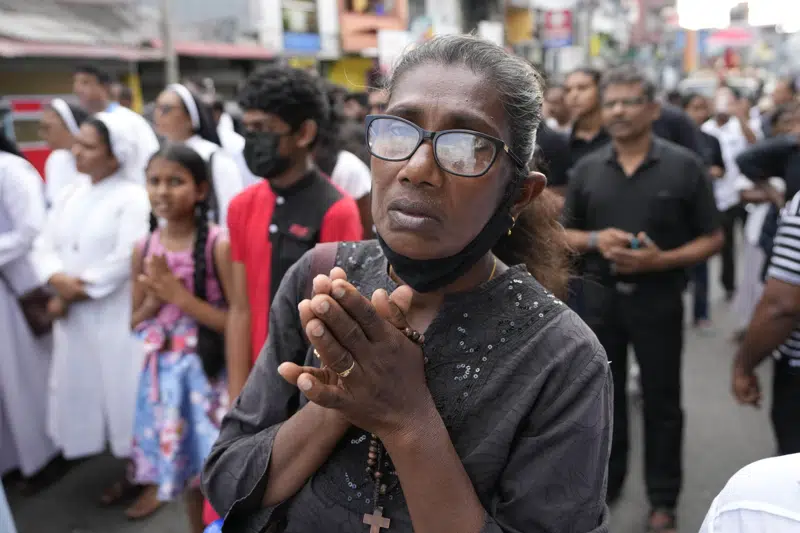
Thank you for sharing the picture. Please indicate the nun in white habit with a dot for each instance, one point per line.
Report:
(84, 254)
(180, 116)
(24, 359)
(58, 127)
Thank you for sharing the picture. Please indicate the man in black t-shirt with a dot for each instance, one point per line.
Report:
(640, 210)
(588, 134)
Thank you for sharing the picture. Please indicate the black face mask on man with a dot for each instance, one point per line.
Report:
(261, 153)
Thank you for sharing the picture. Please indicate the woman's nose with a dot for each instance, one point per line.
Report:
(421, 167)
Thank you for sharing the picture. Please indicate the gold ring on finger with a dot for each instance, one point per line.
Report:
(348, 371)
(316, 353)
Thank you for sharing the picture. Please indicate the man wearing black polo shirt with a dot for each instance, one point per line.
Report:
(641, 210)
(588, 134)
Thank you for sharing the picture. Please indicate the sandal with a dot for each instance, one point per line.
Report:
(117, 491)
(145, 505)
(665, 521)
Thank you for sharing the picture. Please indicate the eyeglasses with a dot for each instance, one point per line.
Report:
(465, 153)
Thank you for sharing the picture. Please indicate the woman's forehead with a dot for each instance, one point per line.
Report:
(169, 97)
(89, 135)
(441, 95)
(51, 115)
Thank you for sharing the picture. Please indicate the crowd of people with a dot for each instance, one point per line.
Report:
(376, 312)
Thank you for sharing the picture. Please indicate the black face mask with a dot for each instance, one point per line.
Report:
(261, 154)
(428, 275)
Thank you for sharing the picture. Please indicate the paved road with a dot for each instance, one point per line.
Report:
(720, 438)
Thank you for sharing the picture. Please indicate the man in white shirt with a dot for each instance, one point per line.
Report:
(93, 87)
(730, 125)
(763, 497)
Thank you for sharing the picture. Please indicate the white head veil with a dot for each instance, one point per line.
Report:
(123, 145)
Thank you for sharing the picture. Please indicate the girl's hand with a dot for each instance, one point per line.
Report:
(385, 391)
(152, 302)
(160, 282)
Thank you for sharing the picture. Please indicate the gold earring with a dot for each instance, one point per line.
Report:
(513, 223)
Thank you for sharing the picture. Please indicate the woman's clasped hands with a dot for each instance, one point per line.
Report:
(371, 374)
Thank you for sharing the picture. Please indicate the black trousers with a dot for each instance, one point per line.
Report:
(785, 407)
(728, 253)
(652, 321)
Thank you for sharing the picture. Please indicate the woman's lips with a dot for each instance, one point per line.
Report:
(403, 220)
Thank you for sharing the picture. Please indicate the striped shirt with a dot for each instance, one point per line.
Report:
(784, 264)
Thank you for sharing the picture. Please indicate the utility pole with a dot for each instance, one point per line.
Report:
(170, 57)
(588, 9)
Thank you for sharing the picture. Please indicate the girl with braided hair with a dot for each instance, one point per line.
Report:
(181, 274)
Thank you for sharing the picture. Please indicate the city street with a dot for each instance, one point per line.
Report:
(720, 438)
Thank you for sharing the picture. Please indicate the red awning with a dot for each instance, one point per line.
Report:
(10, 48)
(732, 37)
(219, 50)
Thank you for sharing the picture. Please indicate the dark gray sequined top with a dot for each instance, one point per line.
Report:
(523, 387)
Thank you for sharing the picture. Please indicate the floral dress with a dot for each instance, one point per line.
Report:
(178, 408)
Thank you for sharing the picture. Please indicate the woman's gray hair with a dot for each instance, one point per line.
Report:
(517, 82)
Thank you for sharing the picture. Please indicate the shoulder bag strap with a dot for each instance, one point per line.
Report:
(323, 259)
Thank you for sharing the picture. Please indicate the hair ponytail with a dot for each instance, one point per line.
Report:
(153, 222)
(208, 345)
(539, 241)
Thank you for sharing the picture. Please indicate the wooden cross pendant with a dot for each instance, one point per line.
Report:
(376, 521)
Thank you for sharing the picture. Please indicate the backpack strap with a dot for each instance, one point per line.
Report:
(323, 259)
(145, 249)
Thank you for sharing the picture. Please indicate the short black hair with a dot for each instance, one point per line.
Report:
(362, 98)
(628, 75)
(687, 98)
(790, 83)
(125, 92)
(292, 94)
(782, 110)
(593, 73)
(102, 76)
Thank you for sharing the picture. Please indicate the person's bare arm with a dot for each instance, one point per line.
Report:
(302, 445)
(143, 308)
(237, 331)
(603, 241)
(693, 252)
(203, 312)
(776, 315)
